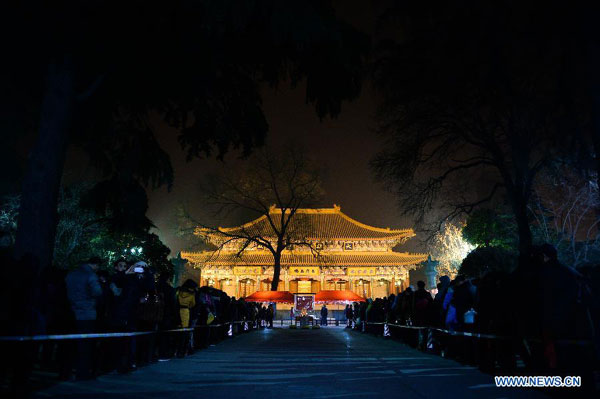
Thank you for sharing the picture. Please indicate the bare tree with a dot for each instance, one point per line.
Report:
(564, 206)
(273, 186)
(471, 111)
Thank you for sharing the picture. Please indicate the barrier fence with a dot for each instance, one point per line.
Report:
(58, 337)
(61, 354)
(491, 352)
(476, 335)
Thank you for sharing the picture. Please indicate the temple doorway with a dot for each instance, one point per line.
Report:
(304, 286)
(381, 288)
(363, 288)
(246, 287)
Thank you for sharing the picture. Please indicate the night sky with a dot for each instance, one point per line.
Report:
(343, 147)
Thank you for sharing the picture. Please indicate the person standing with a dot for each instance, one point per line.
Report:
(270, 316)
(186, 299)
(349, 316)
(104, 301)
(324, 315)
(564, 315)
(171, 314)
(59, 320)
(149, 310)
(103, 362)
(83, 290)
(423, 302)
(262, 316)
(122, 315)
(438, 311)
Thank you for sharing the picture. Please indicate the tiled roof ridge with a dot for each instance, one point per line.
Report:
(378, 229)
(245, 225)
(256, 258)
(298, 253)
(336, 210)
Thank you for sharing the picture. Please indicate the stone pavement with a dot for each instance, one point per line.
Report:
(282, 363)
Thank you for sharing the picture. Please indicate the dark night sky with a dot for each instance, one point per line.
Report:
(343, 146)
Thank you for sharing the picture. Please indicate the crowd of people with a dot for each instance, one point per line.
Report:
(543, 311)
(131, 297)
(542, 306)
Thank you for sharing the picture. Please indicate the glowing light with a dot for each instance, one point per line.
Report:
(450, 248)
(134, 250)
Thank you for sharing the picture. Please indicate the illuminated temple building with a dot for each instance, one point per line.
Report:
(344, 254)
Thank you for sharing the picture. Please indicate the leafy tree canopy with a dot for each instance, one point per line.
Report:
(197, 66)
(106, 74)
(83, 232)
(487, 228)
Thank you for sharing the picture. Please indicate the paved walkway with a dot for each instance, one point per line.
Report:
(282, 363)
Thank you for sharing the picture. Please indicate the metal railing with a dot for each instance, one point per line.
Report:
(61, 355)
(490, 352)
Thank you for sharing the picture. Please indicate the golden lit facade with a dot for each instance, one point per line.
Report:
(343, 254)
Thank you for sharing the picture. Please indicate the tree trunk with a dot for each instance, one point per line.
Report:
(276, 271)
(41, 183)
(523, 229)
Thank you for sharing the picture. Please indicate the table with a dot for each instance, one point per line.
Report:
(304, 320)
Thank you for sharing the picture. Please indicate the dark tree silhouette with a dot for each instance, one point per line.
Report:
(274, 186)
(97, 71)
(485, 260)
(473, 105)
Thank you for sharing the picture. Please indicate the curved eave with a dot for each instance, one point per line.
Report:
(263, 258)
(393, 233)
(388, 234)
(244, 226)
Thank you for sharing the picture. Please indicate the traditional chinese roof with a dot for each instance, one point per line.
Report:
(297, 258)
(319, 224)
